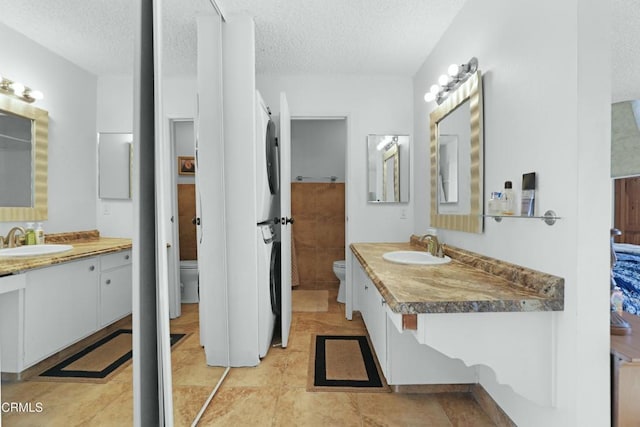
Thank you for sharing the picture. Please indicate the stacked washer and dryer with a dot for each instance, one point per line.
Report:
(267, 188)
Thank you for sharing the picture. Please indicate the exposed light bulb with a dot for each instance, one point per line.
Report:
(429, 97)
(35, 94)
(434, 89)
(18, 88)
(443, 80)
(454, 70)
(383, 144)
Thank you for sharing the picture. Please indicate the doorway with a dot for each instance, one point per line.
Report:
(318, 201)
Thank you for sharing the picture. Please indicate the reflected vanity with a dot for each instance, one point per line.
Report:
(457, 159)
(23, 164)
(388, 168)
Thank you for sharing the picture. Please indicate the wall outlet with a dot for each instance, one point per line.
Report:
(403, 213)
(106, 209)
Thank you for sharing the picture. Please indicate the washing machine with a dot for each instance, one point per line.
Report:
(266, 315)
(267, 165)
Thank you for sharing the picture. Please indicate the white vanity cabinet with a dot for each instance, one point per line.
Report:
(115, 287)
(403, 360)
(44, 310)
(61, 307)
(372, 307)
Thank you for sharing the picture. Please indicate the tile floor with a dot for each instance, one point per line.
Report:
(271, 394)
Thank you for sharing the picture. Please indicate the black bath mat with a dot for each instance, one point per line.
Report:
(98, 362)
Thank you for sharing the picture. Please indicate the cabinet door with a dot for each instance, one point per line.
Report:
(377, 325)
(115, 294)
(61, 307)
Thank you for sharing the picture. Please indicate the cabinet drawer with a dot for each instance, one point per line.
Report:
(114, 260)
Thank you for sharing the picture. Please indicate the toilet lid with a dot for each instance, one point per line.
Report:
(189, 264)
(340, 264)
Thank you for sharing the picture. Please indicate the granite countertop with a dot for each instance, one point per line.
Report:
(85, 244)
(469, 283)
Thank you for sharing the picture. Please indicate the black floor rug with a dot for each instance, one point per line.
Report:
(98, 362)
(344, 363)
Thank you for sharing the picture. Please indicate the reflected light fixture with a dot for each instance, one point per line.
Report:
(386, 143)
(18, 90)
(456, 75)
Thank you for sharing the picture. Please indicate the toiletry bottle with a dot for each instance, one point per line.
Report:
(39, 234)
(508, 199)
(29, 234)
(495, 203)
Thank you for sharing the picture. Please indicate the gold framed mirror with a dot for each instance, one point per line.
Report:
(459, 117)
(24, 131)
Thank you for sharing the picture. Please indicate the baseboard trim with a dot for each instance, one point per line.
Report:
(490, 407)
(479, 394)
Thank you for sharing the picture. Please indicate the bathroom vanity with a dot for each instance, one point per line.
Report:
(433, 324)
(49, 302)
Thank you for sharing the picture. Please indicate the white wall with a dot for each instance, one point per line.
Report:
(546, 109)
(318, 149)
(115, 114)
(70, 98)
(373, 105)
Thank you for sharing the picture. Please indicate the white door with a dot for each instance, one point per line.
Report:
(285, 216)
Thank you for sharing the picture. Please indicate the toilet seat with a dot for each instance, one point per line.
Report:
(340, 264)
(189, 264)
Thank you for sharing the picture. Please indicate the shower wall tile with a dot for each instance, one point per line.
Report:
(318, 231)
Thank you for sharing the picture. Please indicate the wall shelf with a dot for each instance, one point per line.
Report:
(549, 217)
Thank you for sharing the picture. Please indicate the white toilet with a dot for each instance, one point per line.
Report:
(189, 281)
(340, 270)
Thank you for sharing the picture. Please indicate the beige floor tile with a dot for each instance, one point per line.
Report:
(190, 368)
(68, 404)
(268, 373)
(297, 407)
(242, 406)
(187, 402)
(296, 369)
(393, 409)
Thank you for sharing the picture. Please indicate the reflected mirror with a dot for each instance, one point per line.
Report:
(23, 161)
(114, 165)
(457, 159)
(388, 168)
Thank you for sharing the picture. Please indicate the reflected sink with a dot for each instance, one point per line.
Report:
(415, 257)
(34, 250)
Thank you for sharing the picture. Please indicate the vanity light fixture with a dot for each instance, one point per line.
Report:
(386, 143)
(456, 75)
(18, 90)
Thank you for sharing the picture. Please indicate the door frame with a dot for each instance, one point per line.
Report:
(347, 178)
(175, 296)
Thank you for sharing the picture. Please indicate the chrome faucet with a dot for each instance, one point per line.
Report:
(12, 240)
(434, 247)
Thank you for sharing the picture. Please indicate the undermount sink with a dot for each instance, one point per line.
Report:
(34, 250)
(415, 257)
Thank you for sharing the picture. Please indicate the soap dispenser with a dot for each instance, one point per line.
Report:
(29, 234)
(39, 234)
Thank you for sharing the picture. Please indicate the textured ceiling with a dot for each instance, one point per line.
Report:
(292, 36)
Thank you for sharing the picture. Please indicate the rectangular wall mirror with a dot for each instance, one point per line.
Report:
(114, 168)
(388, 168)
(24, 131)
(457, 159)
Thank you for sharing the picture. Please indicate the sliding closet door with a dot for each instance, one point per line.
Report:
(210, 194)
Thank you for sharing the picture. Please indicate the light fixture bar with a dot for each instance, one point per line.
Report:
(456, 75)
(18, 90)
